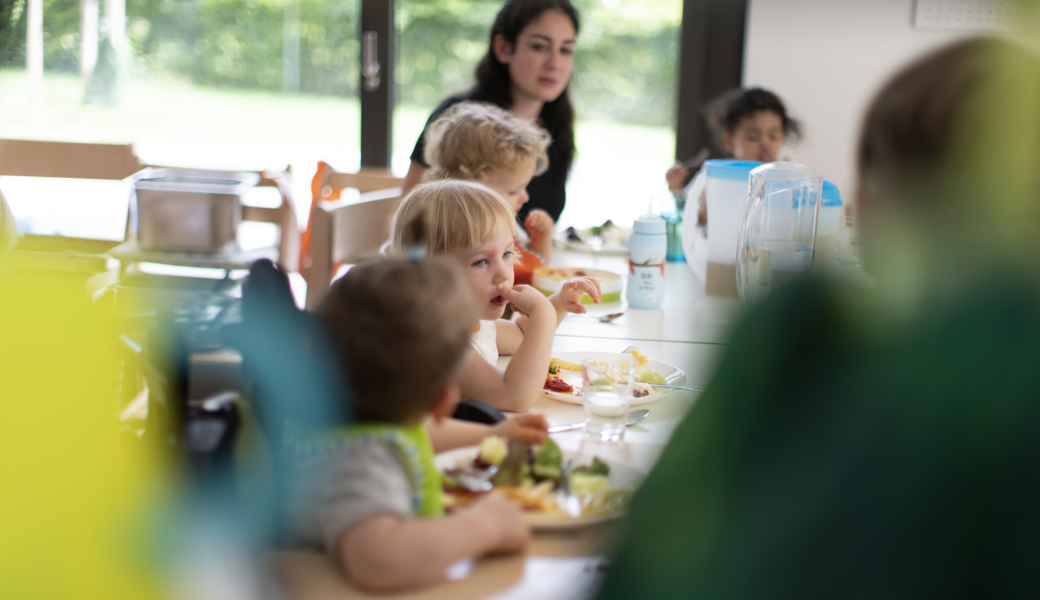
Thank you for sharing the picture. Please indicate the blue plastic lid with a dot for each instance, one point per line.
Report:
(831, 196)
(649, 224)
(734, 170)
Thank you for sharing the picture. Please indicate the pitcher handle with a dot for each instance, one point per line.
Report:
(746, 218)
(689, 233)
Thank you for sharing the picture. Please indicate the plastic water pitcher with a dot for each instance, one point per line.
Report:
(778, 230)
(724, 183)
(646, 254)
(827, 230)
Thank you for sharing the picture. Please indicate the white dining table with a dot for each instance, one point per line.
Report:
(689, 332)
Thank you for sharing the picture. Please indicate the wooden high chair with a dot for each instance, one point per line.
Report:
(345, 231)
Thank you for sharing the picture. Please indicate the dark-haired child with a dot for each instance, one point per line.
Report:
(751, 124)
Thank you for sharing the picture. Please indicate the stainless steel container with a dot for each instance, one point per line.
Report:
(184, 210)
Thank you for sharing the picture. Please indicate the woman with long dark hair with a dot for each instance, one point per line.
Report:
(526, 70)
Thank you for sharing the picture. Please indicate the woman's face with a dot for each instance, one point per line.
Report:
(541, 62)
(757, 137)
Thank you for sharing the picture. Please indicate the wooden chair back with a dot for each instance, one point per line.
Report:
(365, 180)
(347, 231)
(32, 158)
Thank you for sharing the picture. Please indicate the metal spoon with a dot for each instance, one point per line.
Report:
(634, 417)
(674, 387)
(477, 481)
(610, 317)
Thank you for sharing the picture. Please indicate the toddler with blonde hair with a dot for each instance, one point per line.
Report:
(482, 142)
(473, 224)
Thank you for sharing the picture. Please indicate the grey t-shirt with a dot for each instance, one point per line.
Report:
(337, 488)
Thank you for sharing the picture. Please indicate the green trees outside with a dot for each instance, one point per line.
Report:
(625, 68)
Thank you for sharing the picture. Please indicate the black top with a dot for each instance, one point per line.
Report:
(546, 191)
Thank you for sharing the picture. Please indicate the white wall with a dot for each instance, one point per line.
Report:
(826, 59)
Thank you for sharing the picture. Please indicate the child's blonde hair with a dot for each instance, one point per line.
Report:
(472, 139)
(453, 215)
(402, 328)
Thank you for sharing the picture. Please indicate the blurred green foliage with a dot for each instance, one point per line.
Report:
(624, 70)
(240, 43)
(60, 34)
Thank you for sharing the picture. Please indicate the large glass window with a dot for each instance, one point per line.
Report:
(623, 89)
(439, 44)
(206, 83)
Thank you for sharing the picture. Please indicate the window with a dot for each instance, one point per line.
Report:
(623, 88)
(206, 83)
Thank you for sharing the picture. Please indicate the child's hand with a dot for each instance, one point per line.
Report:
(524, 298)
(504, 520)
(539, 224)
(676, 176)
(530, 428)
(569, 297)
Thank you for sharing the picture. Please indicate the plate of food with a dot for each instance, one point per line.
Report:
(607, 238)
(554, 493)
(549, 280)
(563, 380)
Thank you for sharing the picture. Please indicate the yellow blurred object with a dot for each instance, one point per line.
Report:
(79, 495)
(566, 365)
(641, 359)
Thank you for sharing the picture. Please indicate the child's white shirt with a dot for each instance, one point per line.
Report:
(485, 341)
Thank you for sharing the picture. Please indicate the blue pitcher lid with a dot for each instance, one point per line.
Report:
(831, 196)
(734, 170)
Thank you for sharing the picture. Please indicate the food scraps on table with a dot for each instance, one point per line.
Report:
(532, 478)
(555, 380)
(651, 376)
(555, 364)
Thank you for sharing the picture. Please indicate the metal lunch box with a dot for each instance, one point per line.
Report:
(185, 210)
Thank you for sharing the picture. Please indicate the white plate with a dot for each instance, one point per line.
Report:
(621, 476)
(672, 375)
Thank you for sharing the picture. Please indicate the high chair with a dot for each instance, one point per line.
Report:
(345, 231)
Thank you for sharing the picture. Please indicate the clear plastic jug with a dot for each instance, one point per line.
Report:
(778, 230)
(724, 184)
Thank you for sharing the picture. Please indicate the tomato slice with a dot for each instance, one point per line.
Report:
(555, 384)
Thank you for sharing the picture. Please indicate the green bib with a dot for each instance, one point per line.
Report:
(415, 450)
(412, 445)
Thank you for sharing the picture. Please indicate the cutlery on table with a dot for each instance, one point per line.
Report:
(570, 502)
(634, 417)
(476, 480)
(674, 387)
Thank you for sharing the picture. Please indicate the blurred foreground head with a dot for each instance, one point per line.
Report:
(832, 458)
(394, 312)
(949, 167)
